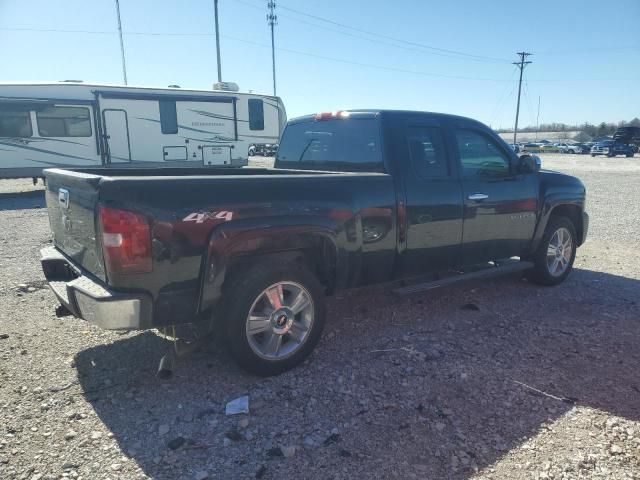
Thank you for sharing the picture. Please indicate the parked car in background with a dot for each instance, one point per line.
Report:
(531, 147)
(585, 147)
(568, 148)
(515, 147)
(263, 149)
(612, 148)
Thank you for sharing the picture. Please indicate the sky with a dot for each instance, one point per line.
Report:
(453, 57)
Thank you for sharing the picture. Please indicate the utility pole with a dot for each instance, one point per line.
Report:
(521, 64)
(124, 65)
(215, 6)
(272, 20)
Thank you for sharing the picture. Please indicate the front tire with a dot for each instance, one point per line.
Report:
(556, 253)
(274, 317)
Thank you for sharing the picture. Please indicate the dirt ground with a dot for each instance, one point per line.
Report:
(496, 379)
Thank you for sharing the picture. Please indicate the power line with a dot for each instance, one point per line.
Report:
(527, 96)
(503, 96)
(297, 52)
(309, 54)
(361, 64)
(377, 40)
(399, 40)
(433, 50)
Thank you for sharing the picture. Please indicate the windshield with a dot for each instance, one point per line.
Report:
(349, 144)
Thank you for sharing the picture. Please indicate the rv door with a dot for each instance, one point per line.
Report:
(116, 127)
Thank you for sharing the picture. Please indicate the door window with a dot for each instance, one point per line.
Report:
(427, 152)
(15, 123)
(64, 122)
(480, 155)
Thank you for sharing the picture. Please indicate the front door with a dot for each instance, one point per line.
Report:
(433, 201)
(499, 204)
(117, 136)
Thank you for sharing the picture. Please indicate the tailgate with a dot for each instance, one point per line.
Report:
(71, 202)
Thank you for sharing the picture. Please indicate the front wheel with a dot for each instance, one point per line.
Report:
(274, 317)
(555, 255)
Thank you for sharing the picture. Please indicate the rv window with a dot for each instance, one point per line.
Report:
(64, 122)
(15, 123)
(168, 116)
(256, 114)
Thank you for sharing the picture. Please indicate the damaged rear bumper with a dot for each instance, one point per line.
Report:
(90, 299)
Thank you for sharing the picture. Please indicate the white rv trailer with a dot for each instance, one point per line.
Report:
(73, 124)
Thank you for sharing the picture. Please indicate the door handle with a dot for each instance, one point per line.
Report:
(478, 196)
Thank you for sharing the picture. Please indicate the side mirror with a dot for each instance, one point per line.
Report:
(529, 164)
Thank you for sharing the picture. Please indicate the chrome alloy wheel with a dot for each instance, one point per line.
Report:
(280, 320)
(559, 252)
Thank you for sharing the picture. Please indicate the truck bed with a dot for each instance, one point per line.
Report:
(187, 209)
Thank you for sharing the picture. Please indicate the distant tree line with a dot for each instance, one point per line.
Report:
(587, 131)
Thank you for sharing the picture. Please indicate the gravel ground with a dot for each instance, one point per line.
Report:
(489, 380)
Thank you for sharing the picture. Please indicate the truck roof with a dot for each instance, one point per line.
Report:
(367, 112)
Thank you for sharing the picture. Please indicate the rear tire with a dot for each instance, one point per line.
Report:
(556, 253)
(284, 304)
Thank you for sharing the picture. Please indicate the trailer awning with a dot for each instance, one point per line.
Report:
(13, 103)
(166, 96)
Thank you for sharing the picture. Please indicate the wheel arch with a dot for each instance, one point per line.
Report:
(231, 252)
(569, 210)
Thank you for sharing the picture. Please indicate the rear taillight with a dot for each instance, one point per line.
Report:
(126, 241)
(332, 115)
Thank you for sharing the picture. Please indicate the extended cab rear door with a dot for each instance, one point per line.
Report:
(500, 204)
(433, 195)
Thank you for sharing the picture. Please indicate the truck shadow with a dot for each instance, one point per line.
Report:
(22, 200)
(438, 384)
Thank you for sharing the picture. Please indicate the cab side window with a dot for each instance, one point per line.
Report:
(427, 152)
(480, 155)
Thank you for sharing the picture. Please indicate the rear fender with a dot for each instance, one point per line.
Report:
(246, 242)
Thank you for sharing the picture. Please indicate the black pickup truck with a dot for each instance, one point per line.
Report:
(355, 198)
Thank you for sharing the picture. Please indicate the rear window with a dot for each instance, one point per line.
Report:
(15, 123)
(64, 122)
(351, 144)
